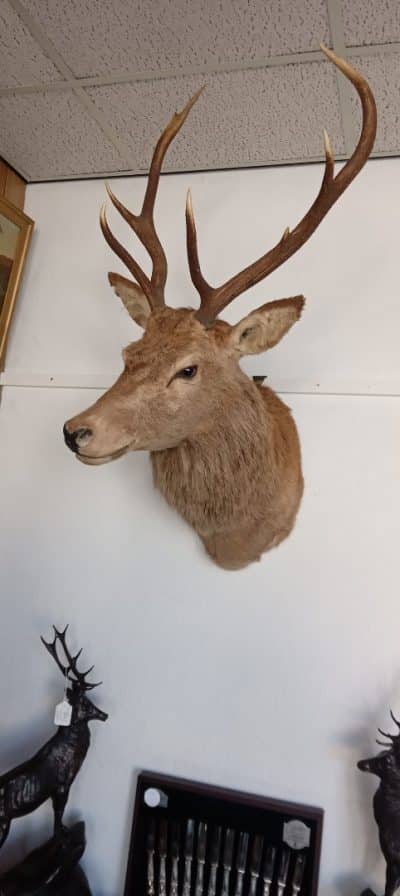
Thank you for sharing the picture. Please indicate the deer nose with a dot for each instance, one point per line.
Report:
(78, 439)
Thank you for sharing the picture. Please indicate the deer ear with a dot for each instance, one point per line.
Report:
(133, 297)
(266, 326)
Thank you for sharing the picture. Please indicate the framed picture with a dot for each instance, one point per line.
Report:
(15, 234)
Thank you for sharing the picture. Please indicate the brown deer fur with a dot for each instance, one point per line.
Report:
(225, 452)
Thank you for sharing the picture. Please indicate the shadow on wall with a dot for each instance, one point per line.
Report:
(350, 884)
(128, 829)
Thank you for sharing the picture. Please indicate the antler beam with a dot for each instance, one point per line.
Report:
(143, 224)
(215, 299)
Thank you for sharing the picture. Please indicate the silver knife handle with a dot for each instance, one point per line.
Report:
(239, 883)
(174, 879)
(281, 887)
(225, 882)
(212, 886)
(199, 879)
(253, 885)
(162, 881)
(150, 874)
(187, 878)
(267, 887)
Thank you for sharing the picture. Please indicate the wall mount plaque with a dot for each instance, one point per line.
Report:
(191, 838)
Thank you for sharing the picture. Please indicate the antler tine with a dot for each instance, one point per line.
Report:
(384, 734)
(199, 282)
(143, 224)
(214, 299)
(125, 256)
(382, 744)
(51, 646)
(396, 722)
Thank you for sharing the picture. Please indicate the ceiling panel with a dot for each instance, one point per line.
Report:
(376, 22)
(46, 134)
(21, 59)
(383, 73)
(121, 35)
(266, 102)
(242, 118)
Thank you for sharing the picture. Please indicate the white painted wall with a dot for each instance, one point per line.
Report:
(272, 679)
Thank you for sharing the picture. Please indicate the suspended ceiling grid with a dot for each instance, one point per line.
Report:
(87, 85)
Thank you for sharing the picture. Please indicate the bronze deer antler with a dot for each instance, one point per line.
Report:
(215, 299)
(71, 667)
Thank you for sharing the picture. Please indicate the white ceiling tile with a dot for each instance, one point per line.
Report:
(21, 59)
(51, 135)
(242, 118)
(121, 35)
(375, 22)
(383, 74)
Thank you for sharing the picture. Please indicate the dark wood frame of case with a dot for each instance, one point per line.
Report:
(155, 779)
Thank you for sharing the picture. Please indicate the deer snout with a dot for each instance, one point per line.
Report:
(375, 765)
(79, 438)
(101, 716)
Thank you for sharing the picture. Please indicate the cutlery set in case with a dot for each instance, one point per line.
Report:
(211, 861)
(191, 839)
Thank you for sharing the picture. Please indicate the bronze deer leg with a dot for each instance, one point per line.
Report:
(59, 801)
(4, 829)
(392, 878)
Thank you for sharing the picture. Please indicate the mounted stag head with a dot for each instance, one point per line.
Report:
(224, 450)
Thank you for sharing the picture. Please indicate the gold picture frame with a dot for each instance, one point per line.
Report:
(15, 235)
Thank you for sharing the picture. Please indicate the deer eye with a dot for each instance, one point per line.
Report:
(187, 373)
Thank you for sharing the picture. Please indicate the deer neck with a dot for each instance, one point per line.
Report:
(390, 789)
(76, 733)
(211, 476)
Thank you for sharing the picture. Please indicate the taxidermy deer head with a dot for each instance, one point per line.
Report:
(224, 450)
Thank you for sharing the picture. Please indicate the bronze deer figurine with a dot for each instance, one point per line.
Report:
(50, 773)
(386, 766)
(224, 450)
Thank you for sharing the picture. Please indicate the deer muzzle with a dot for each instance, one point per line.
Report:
(77, 439)
(80, 440)
(374, 766)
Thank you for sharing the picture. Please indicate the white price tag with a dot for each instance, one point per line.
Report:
(296, 834)
(63, 713)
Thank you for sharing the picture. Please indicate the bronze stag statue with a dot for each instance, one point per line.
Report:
(224, 449)
(387, 805)
(50, 773)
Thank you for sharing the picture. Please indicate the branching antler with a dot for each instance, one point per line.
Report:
(143, 224)
(392, 738)
(215, 299)
(71, 667)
